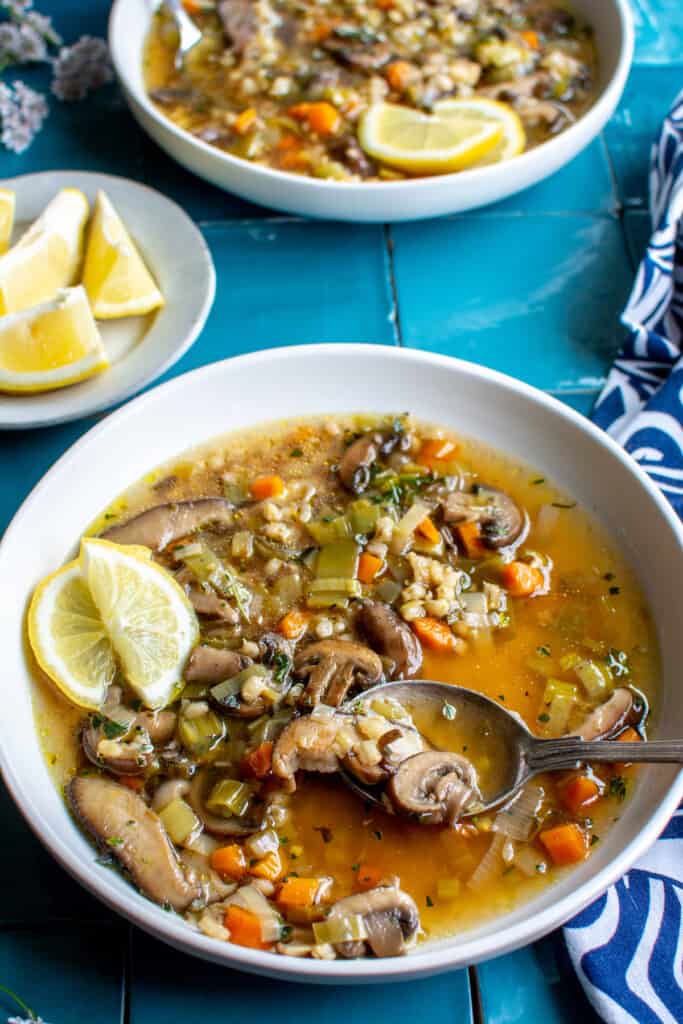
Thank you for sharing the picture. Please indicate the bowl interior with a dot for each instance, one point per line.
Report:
(319, 379)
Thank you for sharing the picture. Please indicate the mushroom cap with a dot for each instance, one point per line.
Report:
(306, 744)
(391, 638)
(502, 521)
(121, 822)
(434, 785)
(390, 916)
(124, 757)
(213, 665)
(609, 717)
(157, 527)
(354, 468)
(333, 666)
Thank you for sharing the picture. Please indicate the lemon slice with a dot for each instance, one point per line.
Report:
(47, 257)
(69, 639)
(115, 277)
(7, 201)
(513, 141)
(149, 620)
(52, 345)
(419, 143)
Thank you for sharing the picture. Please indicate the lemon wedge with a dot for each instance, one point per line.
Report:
(148, 619)
(513, 140)
(115, 277)
(50, 346)
(7, 202)
(47, 257)
(420, 143)
(68, 637)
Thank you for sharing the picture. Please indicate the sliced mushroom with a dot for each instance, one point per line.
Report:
(240, 22)
(332, 667)
(122, 823)
(436, 786)
(354, 468)
(214, 823)
(157, 527)
(307, 744)
(367, 58)
(206, 602)
(391, 638)
(213, 665)
(130, 753)
(501, 521)
(609, 717)
(391, 920)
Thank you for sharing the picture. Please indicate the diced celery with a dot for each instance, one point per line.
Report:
(179, 820)
(333, 599)
(228, 692)
(200, 735)
(268, 727)
(364, 516)
(343, 586)
(327, 532)
(448, 889)
(195, 691)
(287, 589)
(596, 679)
(388, 591)
(338, 560)
(340, 928)
(558, 709)
(235, 492)
(557, 687)
(211, 571)
(229, 798)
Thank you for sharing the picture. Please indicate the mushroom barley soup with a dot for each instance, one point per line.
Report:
(288, 83)
(309, 560)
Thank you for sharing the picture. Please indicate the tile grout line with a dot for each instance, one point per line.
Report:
(395, 311)
(127, 976)
(478, 1015)
(618, 210)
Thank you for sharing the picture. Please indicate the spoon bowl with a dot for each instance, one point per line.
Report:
(519, 755)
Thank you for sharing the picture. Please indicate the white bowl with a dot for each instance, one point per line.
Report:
(372, 201)
(335, 378)
(140, 348)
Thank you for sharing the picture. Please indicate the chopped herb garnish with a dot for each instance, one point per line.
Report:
(325, 832)
(283, 840)
(543, 651)
(136, 704)
(355, 867)
(281, 666)
(296, 453)
(430, 901)
(608, 576)
(501, 696)
(115, 841)
(285, 932)
(615, 590)
(617, 787)
(560, 504)
(539, 480)
(110, 515)
(594, 839)
(448, 711)
(377, 834)
(508, 869)
(545, 717)
(617, 662)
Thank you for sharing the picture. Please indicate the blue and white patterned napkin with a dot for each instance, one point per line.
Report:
(627, 948)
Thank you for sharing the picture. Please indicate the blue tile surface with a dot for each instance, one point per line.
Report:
(160, 980)
(533, 286)
(542, 304)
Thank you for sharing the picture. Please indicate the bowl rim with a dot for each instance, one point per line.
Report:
(586, 125)
(421, 963)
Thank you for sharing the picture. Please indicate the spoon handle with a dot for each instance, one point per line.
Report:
(554, 755)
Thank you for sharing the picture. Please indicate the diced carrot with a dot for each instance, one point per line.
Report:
(244, 928)
(293, 624)
(298, 892)
(294, 160)
(629, 735)
(566, 844)
(259, 762)
(580, 792)
(429, 531)
(322, 117)
(530, 38)
(245, 120)
(369, 566)
(469, 536)
(521, 580)
(367, 877)
(192, 7)
(271, 867)
(133, 782)
(229, 861)
(400, 74)
(267, 487)
(288, 141)
(385, 5)
(434, 634)
(436, 450)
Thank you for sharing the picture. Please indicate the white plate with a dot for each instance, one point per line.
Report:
(611, 20)
(140, 348)
(302, 381)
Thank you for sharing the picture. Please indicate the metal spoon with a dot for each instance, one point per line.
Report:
(187, 30)
(526, 755)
